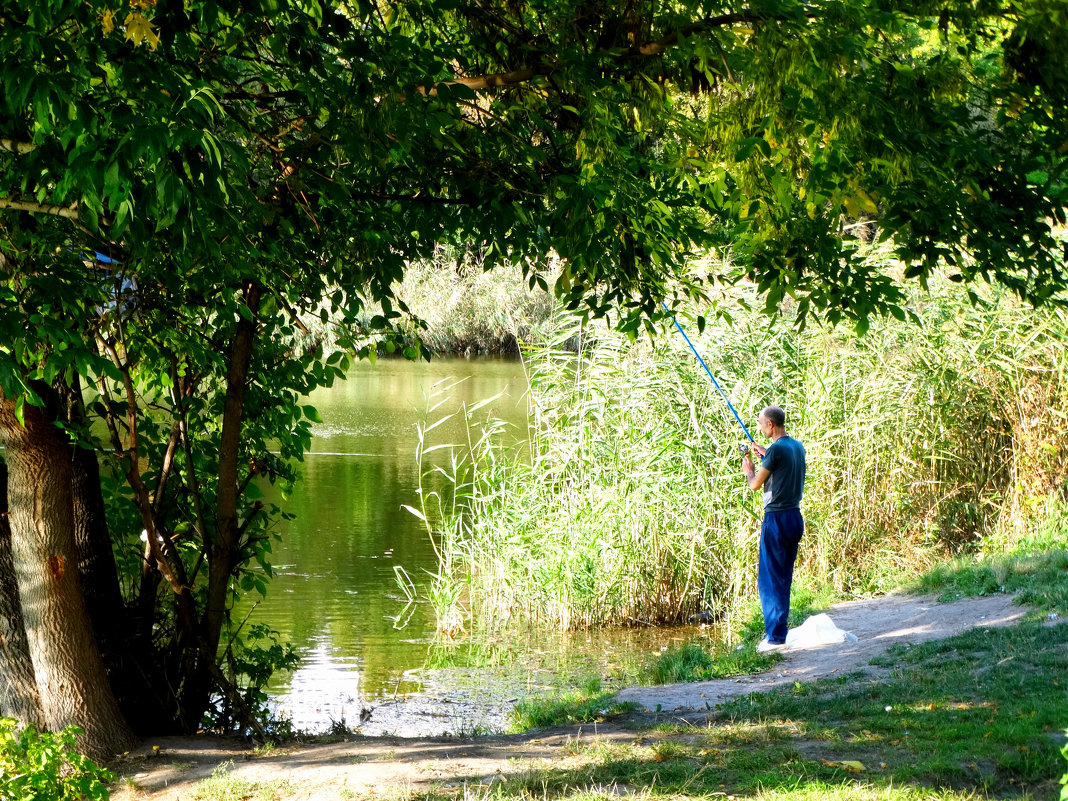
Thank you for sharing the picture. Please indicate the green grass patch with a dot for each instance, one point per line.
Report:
(977, 716)
(983, 710)
(714, 655)
(1036, 572)
(223, 785)
(702, 661)
(588, 704)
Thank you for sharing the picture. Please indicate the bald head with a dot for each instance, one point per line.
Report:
(774, 415)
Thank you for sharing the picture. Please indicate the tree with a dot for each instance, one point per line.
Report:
(68, 670)
(19, 696)
(179, 182)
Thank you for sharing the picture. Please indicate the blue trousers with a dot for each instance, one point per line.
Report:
(779, 538)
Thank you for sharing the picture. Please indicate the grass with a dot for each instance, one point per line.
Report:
(224, 785)
(980, 715)
(1036, 573)
(697, 661)
(1033, 572)
(588, 704)
(976, 716)
(982, 710)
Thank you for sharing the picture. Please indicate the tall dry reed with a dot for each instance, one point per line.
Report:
(924, 438)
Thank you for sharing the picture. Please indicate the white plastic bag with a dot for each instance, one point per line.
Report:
(816, 631)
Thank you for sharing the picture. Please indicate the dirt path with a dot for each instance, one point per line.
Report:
(169, 768)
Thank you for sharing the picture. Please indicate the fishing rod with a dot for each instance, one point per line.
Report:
(715, 383)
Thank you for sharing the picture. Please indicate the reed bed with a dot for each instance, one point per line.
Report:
(454, 307)
(943, 435)
(469, 311)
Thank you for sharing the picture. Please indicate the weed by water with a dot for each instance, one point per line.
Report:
(713, 654)
(697, 661)
(266, 749)
(587, 705)
(628, 505)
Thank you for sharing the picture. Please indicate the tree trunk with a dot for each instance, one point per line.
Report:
(96, 560)
(69, 672)
(124, 646)
(18, 688)
(223, 552)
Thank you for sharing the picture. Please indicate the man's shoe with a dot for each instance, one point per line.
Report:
(764, 647)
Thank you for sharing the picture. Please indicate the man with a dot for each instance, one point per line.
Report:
(782, 477)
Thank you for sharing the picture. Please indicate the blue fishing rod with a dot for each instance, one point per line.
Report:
(715, 383)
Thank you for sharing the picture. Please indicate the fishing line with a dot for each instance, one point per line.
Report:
(715, 383)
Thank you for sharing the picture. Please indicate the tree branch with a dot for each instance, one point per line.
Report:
(165, 468)
(494, 80)
(672, 39)
(13, 146)
(70, 212)
(222, 552)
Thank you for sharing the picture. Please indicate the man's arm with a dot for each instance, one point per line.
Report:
(755, 478)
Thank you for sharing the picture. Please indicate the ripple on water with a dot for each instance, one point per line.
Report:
(464, 700)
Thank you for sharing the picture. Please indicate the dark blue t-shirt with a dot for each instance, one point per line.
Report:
(785, 460)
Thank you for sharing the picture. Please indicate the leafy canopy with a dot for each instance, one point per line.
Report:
(181, 181)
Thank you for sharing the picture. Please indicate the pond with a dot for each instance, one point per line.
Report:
(370, 660)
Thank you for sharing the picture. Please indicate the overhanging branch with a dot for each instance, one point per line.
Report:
(495, 80)
(13, 146)
(483, 82)
(69, 212)
(672, 39)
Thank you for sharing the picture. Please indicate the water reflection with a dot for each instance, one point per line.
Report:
(366, 660)
(335, 596)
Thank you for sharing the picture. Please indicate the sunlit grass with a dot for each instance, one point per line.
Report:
(1035, 571)
(588, 704)
(977, 716)
(224, 785)
(705, 660)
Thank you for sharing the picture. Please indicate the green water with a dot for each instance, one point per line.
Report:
(363, 647)
(335, 596)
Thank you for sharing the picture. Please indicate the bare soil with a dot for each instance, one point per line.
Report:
(170, 768)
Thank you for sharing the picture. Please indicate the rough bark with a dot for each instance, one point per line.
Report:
(18, 688)
(124, 646)
(68, 669)
(96, 560)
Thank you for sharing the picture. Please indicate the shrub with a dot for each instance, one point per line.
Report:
(41, 766)
(1064, 778)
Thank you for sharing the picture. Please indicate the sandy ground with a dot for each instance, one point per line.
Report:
(170, 768)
